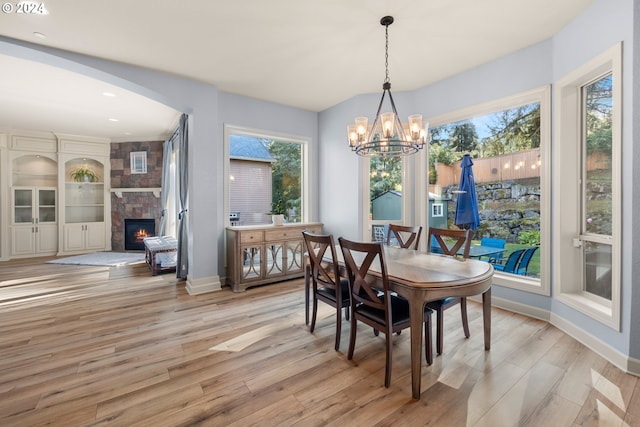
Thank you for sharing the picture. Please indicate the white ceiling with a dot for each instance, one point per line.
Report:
(302, 53)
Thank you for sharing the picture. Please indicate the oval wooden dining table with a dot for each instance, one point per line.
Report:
(421, 277)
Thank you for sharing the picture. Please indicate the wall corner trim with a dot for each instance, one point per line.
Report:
(203, 285)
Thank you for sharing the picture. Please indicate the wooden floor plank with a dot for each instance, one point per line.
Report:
(116, 346)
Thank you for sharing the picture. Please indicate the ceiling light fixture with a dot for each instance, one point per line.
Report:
(39, 35)
(387, 136)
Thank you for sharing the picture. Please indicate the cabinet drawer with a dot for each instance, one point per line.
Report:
(285, 234)
(251, 237)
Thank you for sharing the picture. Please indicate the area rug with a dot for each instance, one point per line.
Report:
(111, 259)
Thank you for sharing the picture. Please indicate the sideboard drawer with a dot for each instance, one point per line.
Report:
(251, 237)
(283, 234)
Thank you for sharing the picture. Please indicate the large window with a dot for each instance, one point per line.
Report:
(385, 189)
(508, 142)
(265, 176)
(596, 181)
(588, 197)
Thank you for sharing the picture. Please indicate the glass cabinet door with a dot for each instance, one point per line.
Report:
(294, 256)
(23, 206)
(274, 262)
(46, 205)
(251, 265)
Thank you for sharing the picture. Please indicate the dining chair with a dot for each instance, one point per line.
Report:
(449, 242)
(406, 235)
(328, 286)
(372, 301)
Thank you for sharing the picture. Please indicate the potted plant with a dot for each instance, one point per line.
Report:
(84, 174)
(277, 212)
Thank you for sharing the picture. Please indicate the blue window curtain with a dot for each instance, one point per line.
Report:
(182, 267)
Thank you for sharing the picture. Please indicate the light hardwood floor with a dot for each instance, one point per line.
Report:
(98, 346)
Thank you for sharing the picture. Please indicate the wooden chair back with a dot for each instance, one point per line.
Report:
(408, 237)
(323, 273)
(358, 259)
(459, 239)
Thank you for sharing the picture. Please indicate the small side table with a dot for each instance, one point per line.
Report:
(155, 248)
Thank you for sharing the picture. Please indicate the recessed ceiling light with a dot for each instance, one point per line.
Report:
(39, 35)
(114, 120)
(108, 94)
(127, 133)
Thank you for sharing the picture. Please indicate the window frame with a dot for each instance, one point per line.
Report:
(258, 133)
(437, 207)
(541, 286)
(568, 117)
(138, 162)
(409, 194)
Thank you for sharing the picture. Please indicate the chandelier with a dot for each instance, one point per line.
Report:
(387, 136)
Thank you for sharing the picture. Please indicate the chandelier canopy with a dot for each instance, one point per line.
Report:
(387, 136)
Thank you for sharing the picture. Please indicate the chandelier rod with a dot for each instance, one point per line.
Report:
(386, 21)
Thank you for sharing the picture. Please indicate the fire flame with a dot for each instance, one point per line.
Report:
(140, 234)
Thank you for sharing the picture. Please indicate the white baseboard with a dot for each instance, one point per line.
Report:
(620, 360)
(634, 366)
(203, 285)
(516, 307)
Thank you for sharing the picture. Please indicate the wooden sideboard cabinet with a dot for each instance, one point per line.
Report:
(257, 255)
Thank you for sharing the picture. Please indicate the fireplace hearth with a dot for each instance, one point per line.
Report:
(135, 230)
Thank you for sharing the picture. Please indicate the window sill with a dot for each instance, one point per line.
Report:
(594, 307)
(522, 283)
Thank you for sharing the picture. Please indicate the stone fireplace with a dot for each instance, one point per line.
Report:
(134, 196)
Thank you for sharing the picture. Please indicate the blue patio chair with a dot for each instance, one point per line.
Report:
(492, 242)
(434, 246)
(523, 265)
(512, 262)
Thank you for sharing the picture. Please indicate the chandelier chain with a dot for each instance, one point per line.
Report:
(386, 54)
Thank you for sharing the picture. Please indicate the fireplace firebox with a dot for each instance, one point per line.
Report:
(135, 230)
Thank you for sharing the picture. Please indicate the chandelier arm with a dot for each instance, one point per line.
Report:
(376, 118)
(393, 107)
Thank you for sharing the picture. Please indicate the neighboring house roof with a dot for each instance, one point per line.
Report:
(248, 148)
(392, 192)
(432, 196)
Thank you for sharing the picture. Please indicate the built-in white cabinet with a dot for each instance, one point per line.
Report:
(85, 194)
(55, 195)
(34, 208)
(34, 240)
(84, 236)
(34, 229)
